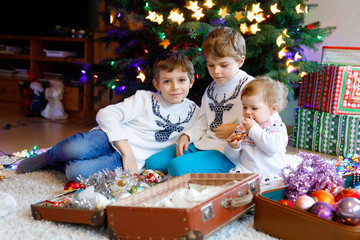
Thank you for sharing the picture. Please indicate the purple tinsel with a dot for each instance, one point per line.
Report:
(313, 173)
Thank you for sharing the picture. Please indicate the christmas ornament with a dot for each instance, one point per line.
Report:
(323, 196)
(323, 210)
(122, 195)
(72, 185)
(348, 211)
(312, 174)
(57, 202)
(347, 192)
(286, 202)
(304, 202)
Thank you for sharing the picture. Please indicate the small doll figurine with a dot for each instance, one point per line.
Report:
(54, 109)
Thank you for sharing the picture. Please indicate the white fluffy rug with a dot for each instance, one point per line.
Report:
(38, 186)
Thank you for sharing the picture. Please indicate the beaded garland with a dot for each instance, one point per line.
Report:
(347, 164)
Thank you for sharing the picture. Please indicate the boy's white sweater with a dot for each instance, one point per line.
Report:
(221, 103)
(147, 121)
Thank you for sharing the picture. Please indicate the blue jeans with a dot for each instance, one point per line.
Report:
(83, 154)
(193, 161)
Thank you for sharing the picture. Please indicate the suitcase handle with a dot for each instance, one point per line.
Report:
(237, 202)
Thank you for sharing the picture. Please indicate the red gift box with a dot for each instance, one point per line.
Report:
(335, 90)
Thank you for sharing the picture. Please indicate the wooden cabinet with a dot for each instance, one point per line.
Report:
(44, 57)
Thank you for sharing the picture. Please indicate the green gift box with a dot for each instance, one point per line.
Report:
(324, 132)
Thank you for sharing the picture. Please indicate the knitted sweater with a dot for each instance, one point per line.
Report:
(147, 121)
(221, 103)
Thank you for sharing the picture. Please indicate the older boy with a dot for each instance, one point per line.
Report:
(224, 51)
(129, 131)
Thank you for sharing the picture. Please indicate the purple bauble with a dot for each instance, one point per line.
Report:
(348, 211)
(323, 210)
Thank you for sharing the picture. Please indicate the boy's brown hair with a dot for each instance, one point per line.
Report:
(224, 42)
(171, 59)
(274, 91)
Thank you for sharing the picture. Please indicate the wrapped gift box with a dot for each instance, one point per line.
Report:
(335, 89)
(328, 133)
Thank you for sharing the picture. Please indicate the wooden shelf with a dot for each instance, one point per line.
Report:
(78, 100)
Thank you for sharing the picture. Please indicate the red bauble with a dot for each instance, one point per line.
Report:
(286, 202)
(323, 196)
(347, 192)
(71, 185)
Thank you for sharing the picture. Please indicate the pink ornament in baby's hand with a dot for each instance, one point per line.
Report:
(304, 202)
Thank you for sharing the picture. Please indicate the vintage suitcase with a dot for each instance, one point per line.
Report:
(67, 215)
(132, 219)
(290, 223)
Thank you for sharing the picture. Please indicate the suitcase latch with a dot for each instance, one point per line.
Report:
(253, 186)
(207, 212)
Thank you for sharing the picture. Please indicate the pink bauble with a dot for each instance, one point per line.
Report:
(304, 202)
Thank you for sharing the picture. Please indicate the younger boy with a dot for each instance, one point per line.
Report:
(129, 131)
(224, 51)
(262, 149)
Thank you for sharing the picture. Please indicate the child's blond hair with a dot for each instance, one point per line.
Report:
(224, 42)
(274, 91)
(171, 59)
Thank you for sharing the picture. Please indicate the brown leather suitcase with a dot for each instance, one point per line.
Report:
(132, 219)
(129, 218)
(68, 215)
(290, 223)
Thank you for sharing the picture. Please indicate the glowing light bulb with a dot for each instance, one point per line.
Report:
(282, 53)
(250, 15)
(165, 43)
(302, 74)
(141, 76)
(280, 41)
(192, 5)
(260, 17)
(254, 28)
(297, 56)
(238, 15)
(289, 61)
(209, 4)
(256, 8)
(176, 16)
(290, 69)
(244, 28)
(298, 9)
(223, 12)
(274, 9)
(198, 14)
(151, 16)
(285, 33)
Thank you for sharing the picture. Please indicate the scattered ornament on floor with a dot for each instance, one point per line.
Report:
(72, 185)
(57, 202)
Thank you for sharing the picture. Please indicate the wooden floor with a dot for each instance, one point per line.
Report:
(19, 132)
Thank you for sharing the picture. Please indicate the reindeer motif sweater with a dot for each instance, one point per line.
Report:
(147, 121)
(221, 103)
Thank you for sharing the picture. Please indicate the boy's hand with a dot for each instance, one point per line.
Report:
(248, 123)
(127, 156)
(183, 144)
(225, 130)
(234, 142)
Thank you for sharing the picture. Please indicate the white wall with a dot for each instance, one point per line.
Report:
(345, 15)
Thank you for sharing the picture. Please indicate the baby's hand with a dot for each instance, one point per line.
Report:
(248, 123)
(234, 140)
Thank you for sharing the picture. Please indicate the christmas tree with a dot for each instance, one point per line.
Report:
(273, 29)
